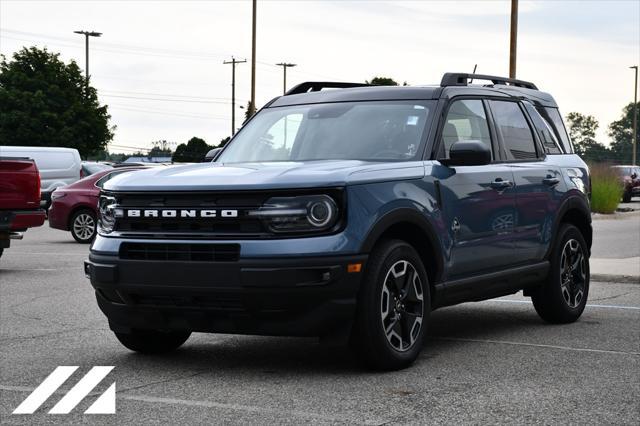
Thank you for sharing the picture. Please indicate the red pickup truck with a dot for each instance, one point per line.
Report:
(19, 199)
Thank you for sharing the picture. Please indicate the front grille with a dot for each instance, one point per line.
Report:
(180, 252)
(243, 225)
(217, 302)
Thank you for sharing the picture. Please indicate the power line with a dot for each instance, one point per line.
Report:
(168, 100)
(201, 117)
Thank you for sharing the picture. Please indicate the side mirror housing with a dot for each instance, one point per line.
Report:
(468, 153)
(212, 155)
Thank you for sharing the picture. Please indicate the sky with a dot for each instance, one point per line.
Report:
(159, 64)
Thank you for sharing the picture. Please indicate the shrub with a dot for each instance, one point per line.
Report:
(606, 188)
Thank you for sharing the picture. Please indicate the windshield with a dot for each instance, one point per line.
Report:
(376, 130)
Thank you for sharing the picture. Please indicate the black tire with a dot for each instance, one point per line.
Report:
(83, 226)
(1, 251)
(378, 293)
(152, 341)
(626, 196)
(557, 303)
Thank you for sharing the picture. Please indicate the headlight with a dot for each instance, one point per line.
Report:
(309, 213)
(56, 194)
(107, 213)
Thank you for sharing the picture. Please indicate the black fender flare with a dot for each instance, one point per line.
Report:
(574, 202)
(413, 217)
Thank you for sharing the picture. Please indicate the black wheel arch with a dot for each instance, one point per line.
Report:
(411, 226)
(576, 211)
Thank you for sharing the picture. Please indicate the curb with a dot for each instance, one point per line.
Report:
(610, 278)
(616, 215)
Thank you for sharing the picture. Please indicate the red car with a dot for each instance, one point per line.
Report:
(74, 207)
(19, 199)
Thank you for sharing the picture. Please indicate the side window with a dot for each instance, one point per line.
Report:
(514, 129)
(552, 115)
(544, 131)
(466, 120)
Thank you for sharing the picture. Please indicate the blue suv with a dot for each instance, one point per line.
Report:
(351, 214)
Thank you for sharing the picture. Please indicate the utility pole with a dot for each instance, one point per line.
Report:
(87, 34)
(252, 107)
(284, 66)
(513, 46)
(233, 63)
(635, 117)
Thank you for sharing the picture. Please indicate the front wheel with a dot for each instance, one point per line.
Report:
(152, 341)
(564, 296)
(393, 308)
(626, 196)
(83, 226)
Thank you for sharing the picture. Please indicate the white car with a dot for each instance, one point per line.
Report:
(58, 166)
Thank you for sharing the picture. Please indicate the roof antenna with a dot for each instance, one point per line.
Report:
(475, 67)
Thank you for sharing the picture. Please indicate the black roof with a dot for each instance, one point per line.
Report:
(452, 84)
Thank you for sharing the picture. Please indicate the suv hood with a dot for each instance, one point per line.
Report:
(256, 176)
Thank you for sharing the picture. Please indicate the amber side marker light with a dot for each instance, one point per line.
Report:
(354, 267)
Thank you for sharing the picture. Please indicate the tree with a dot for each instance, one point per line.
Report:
(191, 152)
(45, 102)
(621, 134)
(382, 81)
(582, 131)
(223, 142)
(247, 112)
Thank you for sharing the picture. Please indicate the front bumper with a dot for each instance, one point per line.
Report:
(279, 296)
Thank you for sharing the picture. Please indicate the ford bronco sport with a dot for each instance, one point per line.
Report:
(351, 214)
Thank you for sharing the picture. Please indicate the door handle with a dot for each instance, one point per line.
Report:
(500, 184)
(551, 181)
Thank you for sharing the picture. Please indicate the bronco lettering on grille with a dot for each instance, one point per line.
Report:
(187, 213)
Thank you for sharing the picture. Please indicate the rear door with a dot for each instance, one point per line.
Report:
(538, 182)
(478, 201)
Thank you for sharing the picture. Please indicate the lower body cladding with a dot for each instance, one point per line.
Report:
(285, 296)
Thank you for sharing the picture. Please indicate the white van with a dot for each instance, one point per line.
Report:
(58, 166)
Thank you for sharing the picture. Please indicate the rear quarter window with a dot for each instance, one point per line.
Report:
(554, 119)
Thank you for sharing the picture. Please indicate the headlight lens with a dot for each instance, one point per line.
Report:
(107, 213)
(57, 194)
(309, 213)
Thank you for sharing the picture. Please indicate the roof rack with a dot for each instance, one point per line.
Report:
(316, 86)
(461, 79)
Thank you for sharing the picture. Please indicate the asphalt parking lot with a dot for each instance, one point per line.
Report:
(488, 362)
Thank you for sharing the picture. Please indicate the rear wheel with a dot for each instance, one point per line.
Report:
(393, 308)
(152, 341)
(83, 226)
(563, 297)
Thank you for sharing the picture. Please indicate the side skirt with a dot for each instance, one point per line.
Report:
(490, 285)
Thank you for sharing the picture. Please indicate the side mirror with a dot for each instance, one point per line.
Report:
(212, 155)
(634, 175)
(468, 153)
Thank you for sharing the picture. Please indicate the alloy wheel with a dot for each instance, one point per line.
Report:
(402, 305)
(572, 273)
(84, 226)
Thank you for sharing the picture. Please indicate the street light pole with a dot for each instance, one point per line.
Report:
(233, 63)
(513, 47)
(252, 107)
(87, 34)
(635, 117)
(284, 66)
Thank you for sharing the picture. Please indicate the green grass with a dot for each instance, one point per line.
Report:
(606, 189)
